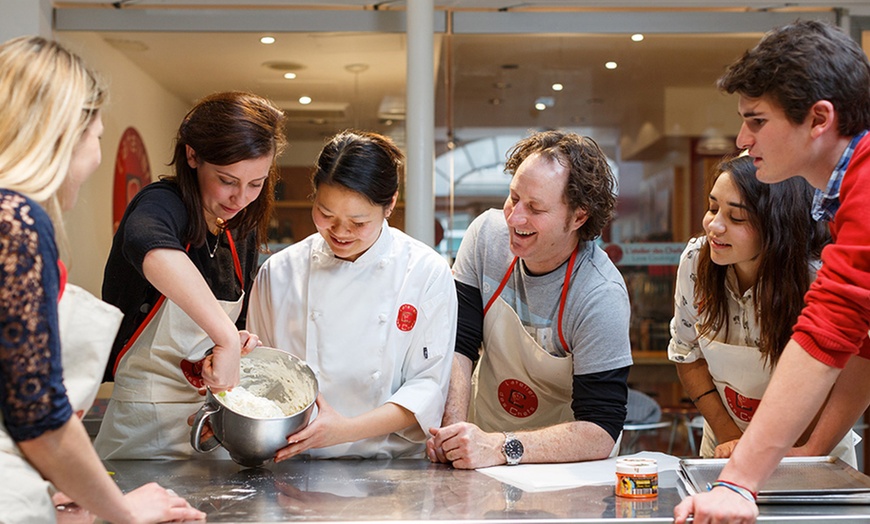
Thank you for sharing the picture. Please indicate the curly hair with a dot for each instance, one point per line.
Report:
(790, 240)
(800, 64)
(591, 184)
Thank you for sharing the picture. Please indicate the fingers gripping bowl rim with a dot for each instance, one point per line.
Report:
(252, 440)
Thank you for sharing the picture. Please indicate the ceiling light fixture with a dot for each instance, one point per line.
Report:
(289, 76)
(637, 37)
(610, 65)
(305, 100)
(557, 86)
(267, 40)
(544, 102)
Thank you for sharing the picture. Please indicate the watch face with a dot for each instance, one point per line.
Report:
(513, 449)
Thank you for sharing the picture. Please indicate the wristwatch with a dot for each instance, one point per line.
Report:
(512, 449)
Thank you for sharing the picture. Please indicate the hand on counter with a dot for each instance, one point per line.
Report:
(718, 505)
(465, 446)
(725, 449)
(153, 503)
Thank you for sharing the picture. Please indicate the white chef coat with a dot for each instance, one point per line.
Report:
(378, 329)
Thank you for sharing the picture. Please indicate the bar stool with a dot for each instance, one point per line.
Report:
(681, 418)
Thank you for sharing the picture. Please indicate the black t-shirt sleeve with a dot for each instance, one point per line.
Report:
(469, 327)
(158, 219)
(601, 398)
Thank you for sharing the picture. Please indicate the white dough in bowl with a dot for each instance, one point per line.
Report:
(246, 403)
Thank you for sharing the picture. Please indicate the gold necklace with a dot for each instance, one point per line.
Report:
(221, 225)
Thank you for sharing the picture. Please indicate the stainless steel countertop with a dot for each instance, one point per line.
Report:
(409, 490)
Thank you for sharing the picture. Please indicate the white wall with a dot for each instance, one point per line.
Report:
(136, 100)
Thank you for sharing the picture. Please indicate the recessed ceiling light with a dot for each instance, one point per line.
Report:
(610, 65)
(267, 40)
(304, 100)
(289, 76)
(544, 102)
(637, 37)
(557, 87)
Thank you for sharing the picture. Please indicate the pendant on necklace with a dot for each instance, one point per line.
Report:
(221, 225)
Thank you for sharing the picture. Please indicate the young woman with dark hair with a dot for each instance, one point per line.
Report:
(181, 264)
(739, 290)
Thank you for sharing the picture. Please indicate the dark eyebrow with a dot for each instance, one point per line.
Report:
(732, 204)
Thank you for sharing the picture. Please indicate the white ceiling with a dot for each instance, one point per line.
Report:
(493, 78)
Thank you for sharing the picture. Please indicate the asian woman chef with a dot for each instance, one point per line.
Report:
(184, 254)
(371, 310)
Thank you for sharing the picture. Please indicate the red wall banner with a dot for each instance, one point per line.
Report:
(132, 173)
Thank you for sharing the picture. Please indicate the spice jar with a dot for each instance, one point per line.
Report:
(637, 478)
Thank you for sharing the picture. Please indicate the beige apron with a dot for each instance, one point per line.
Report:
(157, 385)
(741, 378)
(518, 385)
(87, 329)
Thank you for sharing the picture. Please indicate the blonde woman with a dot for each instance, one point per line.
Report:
(50, 128)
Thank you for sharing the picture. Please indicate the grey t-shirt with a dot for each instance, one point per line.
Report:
(597, 311)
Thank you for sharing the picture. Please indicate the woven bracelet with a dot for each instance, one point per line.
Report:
(740, 490)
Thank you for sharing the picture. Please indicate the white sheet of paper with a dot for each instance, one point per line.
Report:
(551, 477)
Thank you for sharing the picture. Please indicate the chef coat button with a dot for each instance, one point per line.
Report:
(314, 315)
(382, 317)
(382, 263)
(376, 375)
(144, 308)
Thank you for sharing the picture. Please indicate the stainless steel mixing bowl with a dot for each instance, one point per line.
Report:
(252, 442)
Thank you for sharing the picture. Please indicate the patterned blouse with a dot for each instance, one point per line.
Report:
(743, 328)
(32, 395)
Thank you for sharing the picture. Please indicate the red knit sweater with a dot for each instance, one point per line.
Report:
(833, 326)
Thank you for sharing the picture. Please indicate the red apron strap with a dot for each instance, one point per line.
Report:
(564, 297)
(61, 267)
(238, 267)
(138, 332)
(236, 262)
(501, 286)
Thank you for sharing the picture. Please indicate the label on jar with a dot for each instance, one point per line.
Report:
(636, 478)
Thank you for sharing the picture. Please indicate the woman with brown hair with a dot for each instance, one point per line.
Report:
(181, 264)
(739, 289)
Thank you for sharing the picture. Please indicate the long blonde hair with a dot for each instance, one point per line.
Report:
(47, 100)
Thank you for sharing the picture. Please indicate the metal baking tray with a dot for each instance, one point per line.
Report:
(797, 480)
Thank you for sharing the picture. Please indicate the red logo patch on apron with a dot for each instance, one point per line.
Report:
(743, 407)
(407, 317)
(193, 372)
(517, 398)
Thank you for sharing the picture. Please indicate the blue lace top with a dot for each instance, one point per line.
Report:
(32, 395)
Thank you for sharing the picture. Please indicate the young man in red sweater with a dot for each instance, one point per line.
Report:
(805, 103)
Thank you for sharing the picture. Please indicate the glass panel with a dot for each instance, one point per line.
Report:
(657, 115)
